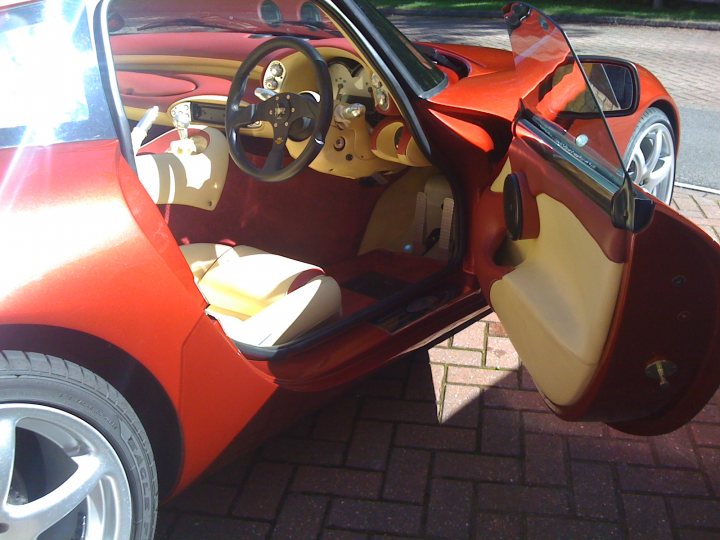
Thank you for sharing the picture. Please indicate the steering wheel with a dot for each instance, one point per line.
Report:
(294, 116)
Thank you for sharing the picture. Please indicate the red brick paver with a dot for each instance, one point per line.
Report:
(461, 446)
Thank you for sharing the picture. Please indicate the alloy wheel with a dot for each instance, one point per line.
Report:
(59, 477)
(651, 164)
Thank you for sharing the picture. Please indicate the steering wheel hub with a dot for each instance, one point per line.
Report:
(282, 111)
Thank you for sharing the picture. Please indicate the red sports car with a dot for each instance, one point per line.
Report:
(218, 215)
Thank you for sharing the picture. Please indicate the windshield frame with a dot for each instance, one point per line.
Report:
(377, 51)
(417, 68)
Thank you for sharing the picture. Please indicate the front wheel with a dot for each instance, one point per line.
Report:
(75, 462)
(650, 157)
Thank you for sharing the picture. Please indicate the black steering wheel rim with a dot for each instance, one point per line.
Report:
(287, 107)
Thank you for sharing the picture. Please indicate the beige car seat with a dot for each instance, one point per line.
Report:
(259, 298)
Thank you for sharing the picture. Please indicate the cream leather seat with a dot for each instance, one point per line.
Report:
(259, 298)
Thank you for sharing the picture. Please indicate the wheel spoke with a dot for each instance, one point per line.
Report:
(657, 142)
(242, 116)
(41, 514)
(640, 165)
(651, 164)
(660, 175)
(7, 457)
(274, 160)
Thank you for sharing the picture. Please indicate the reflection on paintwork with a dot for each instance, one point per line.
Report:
(70, 221)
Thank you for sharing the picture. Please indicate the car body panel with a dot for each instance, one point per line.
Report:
(121, 252)
(94, 254)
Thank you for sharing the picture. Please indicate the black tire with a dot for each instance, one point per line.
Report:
(653, 117)
(63, 390)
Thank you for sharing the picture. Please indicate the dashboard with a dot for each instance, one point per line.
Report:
(372, 139)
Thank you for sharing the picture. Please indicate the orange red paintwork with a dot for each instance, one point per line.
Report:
(94, 256)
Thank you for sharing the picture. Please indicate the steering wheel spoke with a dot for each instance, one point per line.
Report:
(305, 106)
(240, 116)
(274, 160)
(282, 111)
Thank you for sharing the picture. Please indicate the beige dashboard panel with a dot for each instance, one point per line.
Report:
(348, 151)
(300, 74)
(557, 304)
(189, 179)
(385, 140)
(351, 158)
(385, 147)
(413, 156)
(263, 130)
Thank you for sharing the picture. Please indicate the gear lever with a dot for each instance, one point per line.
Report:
(181, 118)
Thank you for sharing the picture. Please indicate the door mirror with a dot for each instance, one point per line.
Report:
(614, 83)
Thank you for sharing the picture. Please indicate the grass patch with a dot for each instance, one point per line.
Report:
(642, 9)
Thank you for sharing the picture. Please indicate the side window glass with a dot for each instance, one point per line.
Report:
(562, 104)
(52, 91)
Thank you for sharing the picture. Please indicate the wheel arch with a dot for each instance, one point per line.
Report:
(672, 114)
(126, 374)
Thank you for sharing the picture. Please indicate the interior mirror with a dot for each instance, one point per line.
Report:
(614, 83)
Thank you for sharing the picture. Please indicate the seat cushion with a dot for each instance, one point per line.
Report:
(244, 279)
(291, 316)
(260, 298)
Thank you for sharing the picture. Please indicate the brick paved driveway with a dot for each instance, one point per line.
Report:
(461, 446)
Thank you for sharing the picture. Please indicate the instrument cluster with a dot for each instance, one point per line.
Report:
(351, 83)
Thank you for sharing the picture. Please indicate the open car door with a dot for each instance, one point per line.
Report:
(610, 297)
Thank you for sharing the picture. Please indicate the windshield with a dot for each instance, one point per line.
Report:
(306, 19)
(562, 101)
(261, 18)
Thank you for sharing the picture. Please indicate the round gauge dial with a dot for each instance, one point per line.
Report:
(380, 95)
(274, 76)
(270, 13)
